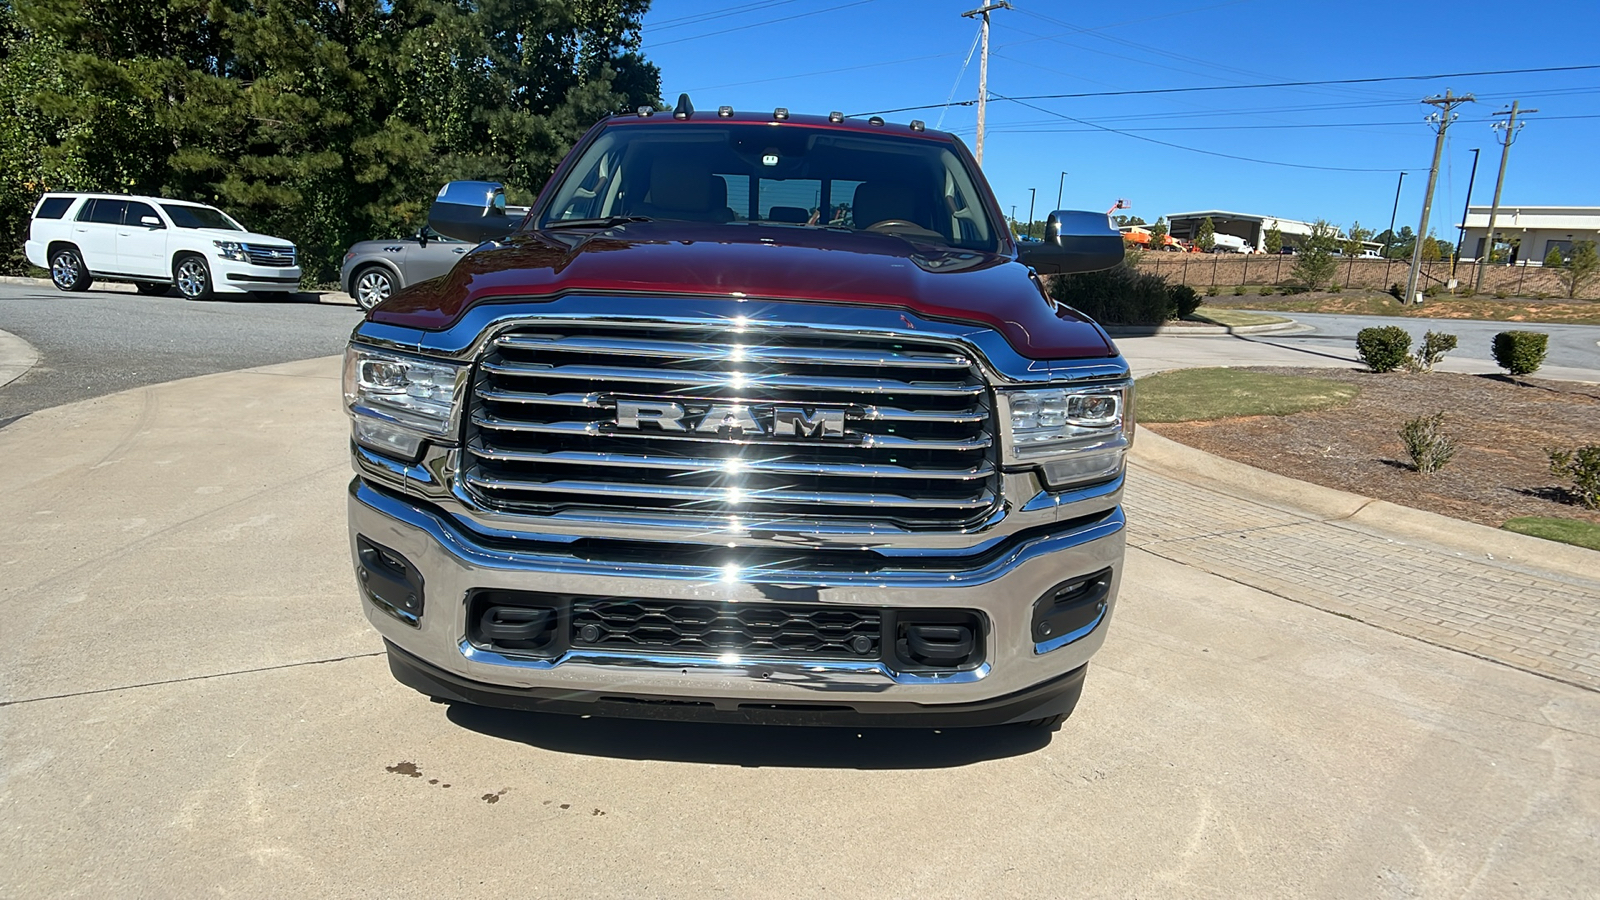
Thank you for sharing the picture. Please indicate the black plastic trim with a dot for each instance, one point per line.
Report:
(1056, 697)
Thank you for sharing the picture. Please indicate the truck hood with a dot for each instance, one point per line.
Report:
(761, 262)
(242, 237)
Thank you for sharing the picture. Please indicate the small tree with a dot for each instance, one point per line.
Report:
(1158, 234)
(1581, 269)
(1430, 250)
(1206, 237)
(1273, 240)
(1355, 238)
(1314, 265)
(1554, 259)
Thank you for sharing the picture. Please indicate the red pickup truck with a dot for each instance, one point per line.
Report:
(752, 417)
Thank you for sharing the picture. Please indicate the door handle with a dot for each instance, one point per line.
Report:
(458, 250)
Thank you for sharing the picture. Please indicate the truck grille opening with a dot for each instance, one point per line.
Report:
(768, 426)
(281, 257)
(669, 626)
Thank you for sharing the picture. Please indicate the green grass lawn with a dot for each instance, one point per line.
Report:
(1567, 531)
(1235, 318)
(1378, 303)
(1197, 395)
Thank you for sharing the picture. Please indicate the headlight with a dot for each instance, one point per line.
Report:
(396, 402)
(231, 250)
(1071, 435)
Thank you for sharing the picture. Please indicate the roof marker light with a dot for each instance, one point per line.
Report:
(645, 112)
(916, 125)
(836, 117)
(725, 111)
(875, 120)
(780, 113)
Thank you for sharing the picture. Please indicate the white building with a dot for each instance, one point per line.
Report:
(1532, 231)
(1248, 226)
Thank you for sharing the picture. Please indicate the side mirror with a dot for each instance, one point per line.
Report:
(472, 211)
(1074, 241)
(150, 222)
(422, 237)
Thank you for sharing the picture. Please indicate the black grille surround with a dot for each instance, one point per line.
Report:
(547, 428)
(759, 630)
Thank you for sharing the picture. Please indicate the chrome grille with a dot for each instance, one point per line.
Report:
(281, 257)
(907, 441)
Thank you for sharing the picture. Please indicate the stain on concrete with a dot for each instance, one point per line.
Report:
(408, 769)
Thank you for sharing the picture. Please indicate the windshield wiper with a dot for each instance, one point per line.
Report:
(604, 222)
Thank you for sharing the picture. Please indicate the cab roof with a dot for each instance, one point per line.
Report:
(662, 118)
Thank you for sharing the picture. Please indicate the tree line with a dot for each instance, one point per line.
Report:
(322, 121)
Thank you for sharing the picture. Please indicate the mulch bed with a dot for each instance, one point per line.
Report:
(1502, 427)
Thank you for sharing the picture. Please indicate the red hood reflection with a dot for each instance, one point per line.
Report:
(763, 262)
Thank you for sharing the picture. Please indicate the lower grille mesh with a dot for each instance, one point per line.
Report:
(756, 630)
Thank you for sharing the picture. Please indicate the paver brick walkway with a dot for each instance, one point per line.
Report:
(1538, 622)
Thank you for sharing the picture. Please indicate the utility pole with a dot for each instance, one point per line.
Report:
(1032, 192)
(983, 66)
(1508, 133)
(1441, 119)
(1392, 213)
(1059, 185)
(1461, 233)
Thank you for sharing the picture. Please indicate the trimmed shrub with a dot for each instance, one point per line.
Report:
(1396, 291)
(1335, 288)
(1124, 296)
(1430, 448)
(1520, 352)
(1502, 294)
(1268, 290)
(1212, 291)
(1583, 467)
(1383, 349)
(1238, 290)
(1434, 347)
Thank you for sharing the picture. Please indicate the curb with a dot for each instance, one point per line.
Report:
(1333, 505)
(17, 356)
(1205, 330)
(328, 298)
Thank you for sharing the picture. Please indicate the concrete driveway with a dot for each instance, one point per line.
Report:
(191, 704)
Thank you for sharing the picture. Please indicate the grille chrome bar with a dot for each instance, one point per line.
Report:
(833, 429)
(726, 466)
(732, 352)
(734, 380)
(274, 255)
(730, 496)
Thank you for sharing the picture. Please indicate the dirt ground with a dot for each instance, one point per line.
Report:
(1502, 428)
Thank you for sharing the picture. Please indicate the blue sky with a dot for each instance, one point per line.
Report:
(882, 54)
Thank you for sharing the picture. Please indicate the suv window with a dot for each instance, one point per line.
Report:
(198, 217)
(53, 207)
(106, 212)
(136, 211)
(793, 175)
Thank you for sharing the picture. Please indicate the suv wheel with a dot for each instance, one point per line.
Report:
(67, 271)
(373, 286)
(193, 278)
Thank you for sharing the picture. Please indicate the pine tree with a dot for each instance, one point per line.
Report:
(1158, 233)
(1314, 263)
(1206, 237)
(1581, 268)
(1273, 240)
(1554, 259)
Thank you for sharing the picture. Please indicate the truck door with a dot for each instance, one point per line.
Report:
(95, 233)
(141, 248)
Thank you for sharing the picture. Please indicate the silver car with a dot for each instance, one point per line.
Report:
(374, 270)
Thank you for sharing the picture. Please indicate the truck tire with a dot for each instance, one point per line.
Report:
(193, 277)
(67, 271)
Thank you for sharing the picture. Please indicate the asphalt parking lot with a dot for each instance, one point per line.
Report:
(191, 704)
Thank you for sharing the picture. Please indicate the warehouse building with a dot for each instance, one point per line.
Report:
(1531, 232)
(1251, 228)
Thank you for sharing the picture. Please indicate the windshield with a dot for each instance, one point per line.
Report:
(789, 175)
(199, 217)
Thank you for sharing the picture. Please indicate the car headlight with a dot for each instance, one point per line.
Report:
(1074, 435)
(231, 250)
(396, 402)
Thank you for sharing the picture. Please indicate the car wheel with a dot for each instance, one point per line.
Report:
(193, 278)
(153, 290)
(374, 285)
(67, 271)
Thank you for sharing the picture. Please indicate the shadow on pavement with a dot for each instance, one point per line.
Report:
(753, 746)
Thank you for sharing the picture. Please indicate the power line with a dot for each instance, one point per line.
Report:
(1021, 130)
(1140, 137)
(815, 12)
(697, 18)
(1241, 87)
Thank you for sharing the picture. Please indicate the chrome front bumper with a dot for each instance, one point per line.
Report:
(454, 561)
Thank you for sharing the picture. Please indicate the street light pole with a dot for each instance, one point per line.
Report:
(1392, 214)
(1461, 231)
(983, 68)
(1031, 193)
(1059, 185)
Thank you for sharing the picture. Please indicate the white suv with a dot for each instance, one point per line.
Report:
(155, 244)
